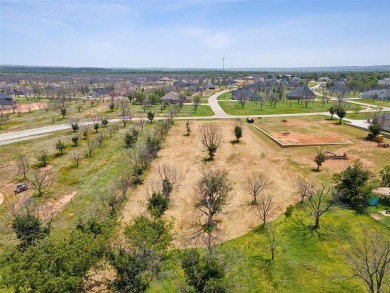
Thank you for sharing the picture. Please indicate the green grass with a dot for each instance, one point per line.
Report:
(378, 103)
(225, 96)
(311, 84)
(306, 260)
(41, 117)
(90, 179)
(251, 108)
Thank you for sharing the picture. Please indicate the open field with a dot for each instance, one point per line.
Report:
(253, 108)
(298, 131)
(188, 159)
(83, 110)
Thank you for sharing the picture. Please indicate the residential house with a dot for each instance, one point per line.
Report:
(386, 122)
(301, 93)
(210, 86)
(6, 102)
(383, 94)
(384, 82)
(100, 92)
(174, 98)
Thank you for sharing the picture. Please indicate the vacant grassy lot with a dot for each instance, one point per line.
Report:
(253, 108)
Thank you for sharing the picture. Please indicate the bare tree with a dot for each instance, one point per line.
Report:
(319, 203)
(196, 102)
(273, 241)
(212, 193)
(304, 187)
(100, 138)
(169, 177)
(22, 165)
(91, 144)
(111, 129)
(210, 137)
(85, 128)
(39, 180)
(76, 156)
(124, 183)
(256, 184)
(264, 208)
(369, 259)
(142, 122)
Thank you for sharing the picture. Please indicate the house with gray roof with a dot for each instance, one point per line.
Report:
(301, 93)
(6, 102)
(210, 86)
(383, 94)
(174, 98)
(100, 92)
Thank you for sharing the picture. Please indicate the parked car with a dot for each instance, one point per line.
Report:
(250, 120)
(21, 187)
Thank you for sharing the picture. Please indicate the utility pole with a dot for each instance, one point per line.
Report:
(223, 65)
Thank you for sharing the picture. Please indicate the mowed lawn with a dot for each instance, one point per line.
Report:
(83, 110)
(378, 103)
(253, 108)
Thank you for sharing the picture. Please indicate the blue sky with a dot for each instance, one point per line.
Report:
(195, 33)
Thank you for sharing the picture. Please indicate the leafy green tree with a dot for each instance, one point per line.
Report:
(151, 116)
(75, 139)
(238, 132)
(385, 175)
(158, 203)
(96, 126)
(43, 157)
(352, 185)
(29, 228)
(130, 137)
(341, 112)
(63, 112)
(56, 263)
(332, 111)
(203, 275)
(75, 126)
(319, 159)
(60, 146)
(375, 129)
(139, 261)
(104, 122)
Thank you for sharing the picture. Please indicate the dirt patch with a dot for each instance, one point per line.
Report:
(376, 217)
(46, 168)
(301, 138)
(188, 159)
(24, 108)
(53, 207)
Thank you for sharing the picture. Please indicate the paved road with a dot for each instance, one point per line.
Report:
(219, 113)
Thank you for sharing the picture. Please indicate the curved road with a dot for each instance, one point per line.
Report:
(219, 113)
